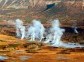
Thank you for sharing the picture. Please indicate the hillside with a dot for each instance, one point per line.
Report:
(66, 11)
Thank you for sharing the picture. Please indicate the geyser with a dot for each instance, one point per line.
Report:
(36, 30)
(55, 36)
(55, 33)
(20, 29)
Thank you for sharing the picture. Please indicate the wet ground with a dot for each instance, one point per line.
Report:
(45, 54)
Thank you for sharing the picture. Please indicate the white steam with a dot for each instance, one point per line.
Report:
(20, 29)
(56, 34)
(36, 31)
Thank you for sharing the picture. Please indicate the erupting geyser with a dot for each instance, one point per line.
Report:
(55, 36)
(20, 29)
(36, 30)
(55, 33)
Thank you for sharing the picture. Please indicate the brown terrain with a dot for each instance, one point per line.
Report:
(44, 54)
(17, 50)
(13, 48)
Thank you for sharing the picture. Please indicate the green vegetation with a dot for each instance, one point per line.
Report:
(43, 20)
(28, 19)
(1, 19)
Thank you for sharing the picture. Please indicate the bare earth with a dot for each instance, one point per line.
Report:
(45, 54)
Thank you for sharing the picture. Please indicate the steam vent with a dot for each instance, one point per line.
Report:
(41, 30)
